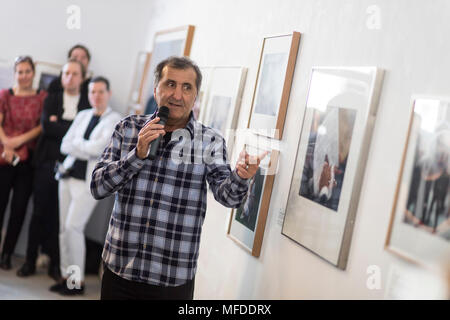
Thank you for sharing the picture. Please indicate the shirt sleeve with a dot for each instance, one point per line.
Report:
(3, 106)
(112, 171)
(55, 85)
(67, 146)
(228, 188)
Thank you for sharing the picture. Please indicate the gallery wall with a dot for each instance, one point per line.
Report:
(405, 38)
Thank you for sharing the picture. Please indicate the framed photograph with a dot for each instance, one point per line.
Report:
(45, 73)
(203, 95)
(273, 84)
(331, 157)
(247, 223)
(173, 42)
(225, 88)
(420, 223)
(140, 74)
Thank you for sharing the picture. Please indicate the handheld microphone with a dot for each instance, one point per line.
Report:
(163, 115)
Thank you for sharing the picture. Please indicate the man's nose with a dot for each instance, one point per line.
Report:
(178, 93)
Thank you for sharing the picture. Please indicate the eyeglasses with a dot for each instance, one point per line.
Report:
(21, 59)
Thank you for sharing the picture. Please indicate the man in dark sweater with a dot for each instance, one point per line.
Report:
(59, 111)
(80, 53)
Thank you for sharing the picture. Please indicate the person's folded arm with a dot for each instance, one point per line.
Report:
(56, 129)
(67, 146)
(29, 135)
(93, 148)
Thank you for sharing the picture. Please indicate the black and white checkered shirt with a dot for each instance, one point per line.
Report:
(155, 227)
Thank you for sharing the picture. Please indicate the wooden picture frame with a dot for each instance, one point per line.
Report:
(221, 110)
(166, 43)
(419, 230)
(273, 84)
(45, 73)
(137, 87)
(334, 143)
(247, 228)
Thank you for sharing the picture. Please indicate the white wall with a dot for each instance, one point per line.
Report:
(411, 46)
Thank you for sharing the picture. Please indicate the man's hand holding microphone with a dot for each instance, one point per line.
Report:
(150, 135)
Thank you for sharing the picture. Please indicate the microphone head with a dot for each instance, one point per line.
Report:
(163, 112)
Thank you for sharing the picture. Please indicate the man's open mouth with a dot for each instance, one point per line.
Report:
(172, 104)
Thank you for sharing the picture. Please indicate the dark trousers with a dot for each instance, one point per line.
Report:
(44, 225)
(19, 179)
(117, 288)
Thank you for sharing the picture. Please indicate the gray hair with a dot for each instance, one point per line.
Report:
(181, 63)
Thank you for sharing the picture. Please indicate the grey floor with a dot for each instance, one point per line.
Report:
(36, 287)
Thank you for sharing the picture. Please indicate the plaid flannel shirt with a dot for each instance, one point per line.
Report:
(160, 205)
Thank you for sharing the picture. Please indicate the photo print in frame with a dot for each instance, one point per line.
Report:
(225, 88)
(330, 163)
(45, 73)
(247, 223)
(420, 224)
(6, 74)
(137, 86)
(273, 84)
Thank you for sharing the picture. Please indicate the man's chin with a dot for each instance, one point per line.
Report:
(177, 117)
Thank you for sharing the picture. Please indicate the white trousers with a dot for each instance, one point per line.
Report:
(75, 207)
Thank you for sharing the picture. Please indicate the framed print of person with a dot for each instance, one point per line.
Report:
(420, 223)
(247, 223)
(334, 143)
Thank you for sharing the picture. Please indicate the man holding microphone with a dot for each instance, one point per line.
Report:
(153, 239)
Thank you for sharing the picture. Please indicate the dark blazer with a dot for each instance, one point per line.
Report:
(49, 141)
(55, 86)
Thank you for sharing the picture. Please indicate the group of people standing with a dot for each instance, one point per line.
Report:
(50, 141)
(152, 244)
